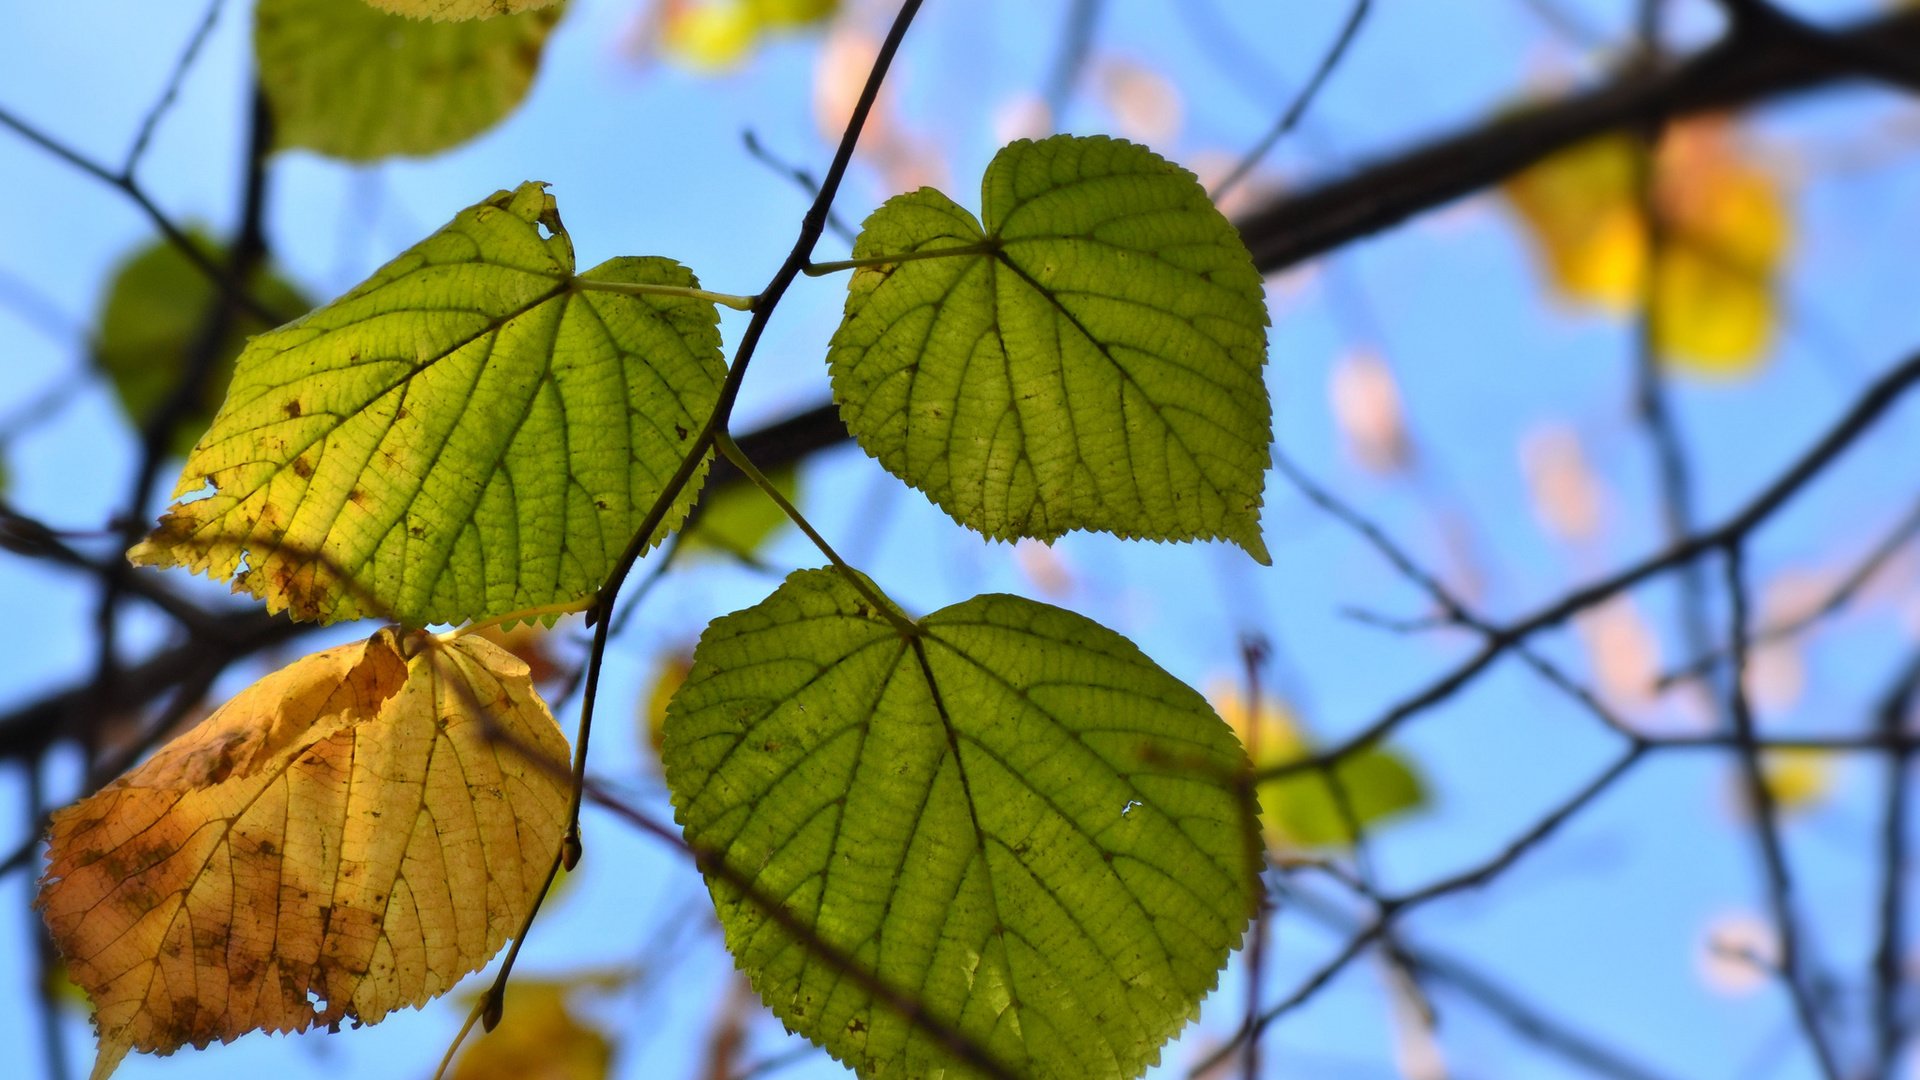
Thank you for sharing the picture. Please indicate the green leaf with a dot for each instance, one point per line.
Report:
(738, 519)
(459, 10)
(1301, 811)
(151, 321)
(472, 431)
(355, 83)
(1014, 817)
(1089, 359)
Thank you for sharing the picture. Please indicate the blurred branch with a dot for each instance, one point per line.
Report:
(164, 102)
(1889, 959)
(1293, 228)
(1076, 44)
(1298, 107)
(127, 186)
(158, 430)
(1731, 74)
(1395, 907)
(1766, 821)
(1843, 594)
(1860, 417)
(1527, 1020)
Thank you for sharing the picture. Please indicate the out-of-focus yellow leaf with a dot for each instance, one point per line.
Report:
(1579, 207)
(1797, 779)
(712, 35)
(670, 672)
(538, 1038)
(348, 836)
(1302, 810)
(1725, 231)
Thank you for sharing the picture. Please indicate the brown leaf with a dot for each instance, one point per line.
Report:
(350, 835)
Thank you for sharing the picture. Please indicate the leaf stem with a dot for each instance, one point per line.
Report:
(564, 607)
(446, 1059)
(647, 288)
(887, 608)
(821, 269)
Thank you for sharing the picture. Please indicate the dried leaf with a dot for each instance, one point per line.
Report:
(350, 835)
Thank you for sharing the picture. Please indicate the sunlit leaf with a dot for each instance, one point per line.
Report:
(532, 644)
(348, 836)
(1014, 816)
(1303, 810)
(355, 83)
(1090, 358)
(470, 432)
(150, 327)
(457, 10)
(539, 1038)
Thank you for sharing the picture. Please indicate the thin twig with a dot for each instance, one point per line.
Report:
(1766, 821)
(184, 64)
(1889, 958)
(1392, 908)
(1076, 44)
(1836, 601)
(1298, 107)
(1860, 417)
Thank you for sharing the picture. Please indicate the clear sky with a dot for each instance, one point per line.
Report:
(1604, 927)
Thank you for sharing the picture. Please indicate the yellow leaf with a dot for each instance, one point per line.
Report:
(350, 835)
(539, 1038)
(668, 676)
(1725, 233)
(1579, 205)
(1797, 779)
(711, 35)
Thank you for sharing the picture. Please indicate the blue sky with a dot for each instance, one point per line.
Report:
(1602, 927)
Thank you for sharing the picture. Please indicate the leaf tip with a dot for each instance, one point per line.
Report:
(1253, 544)
(112, 1052)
